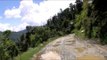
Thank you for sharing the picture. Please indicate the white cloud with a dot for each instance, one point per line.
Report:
(36, 14)
(3, 26)
(12, 13)
(6, 26)
(21, 26)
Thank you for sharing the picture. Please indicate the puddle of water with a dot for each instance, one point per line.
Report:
(90, 57)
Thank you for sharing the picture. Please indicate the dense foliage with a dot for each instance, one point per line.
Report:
(92, 20)
(84, 19)
(8, 48)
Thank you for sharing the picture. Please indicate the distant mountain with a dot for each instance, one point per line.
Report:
(0, 32)
(15, 36)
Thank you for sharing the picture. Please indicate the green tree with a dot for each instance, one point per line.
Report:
(79, 4)
(8, 48)
(7, 33)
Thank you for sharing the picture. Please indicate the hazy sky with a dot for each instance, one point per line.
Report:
(15, 15)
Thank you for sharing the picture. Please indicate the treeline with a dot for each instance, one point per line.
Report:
(83, 18)
(91, 22)
(8, 48)
(60, 24)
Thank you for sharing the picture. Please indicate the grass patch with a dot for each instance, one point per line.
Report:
(28, 54)
(31, 51)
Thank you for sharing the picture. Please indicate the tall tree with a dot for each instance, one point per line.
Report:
(7, 33)
(100, 5)
(79, 4)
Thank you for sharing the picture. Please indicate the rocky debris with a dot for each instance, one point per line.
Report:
(71, 48)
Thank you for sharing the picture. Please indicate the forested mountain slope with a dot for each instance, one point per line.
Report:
(86, 20)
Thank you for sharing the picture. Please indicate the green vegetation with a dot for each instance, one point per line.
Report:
(92, 20)
(31, 51)
(8, 49)
(87, 20)
(28, 54)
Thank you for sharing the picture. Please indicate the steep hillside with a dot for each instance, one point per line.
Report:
(85, 19)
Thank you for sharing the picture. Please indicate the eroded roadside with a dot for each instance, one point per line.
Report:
(71, 48)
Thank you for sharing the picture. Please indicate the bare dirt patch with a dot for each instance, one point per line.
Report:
(51, 55)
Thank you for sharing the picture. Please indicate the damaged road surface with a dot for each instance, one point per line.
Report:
(72, 48)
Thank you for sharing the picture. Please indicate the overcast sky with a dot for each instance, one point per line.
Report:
(15, 15)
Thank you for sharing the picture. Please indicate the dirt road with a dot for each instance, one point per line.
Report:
(71, 48)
